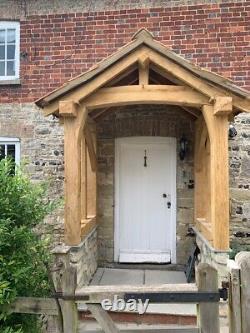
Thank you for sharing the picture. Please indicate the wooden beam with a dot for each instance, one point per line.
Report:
(208, 313)
(194, 112)
(234, 300)
(96, 294)
(203, 138)
(223, 106)
(91, 174)
(148, 94)
(34, 305)
(73, 129)
(219, 180)
(122, 76)
(103, 318)
(143, 63)
(183, 75)
(87, 226)
(97, 82)
(89, 137)
(201, 174)
(165, 74)
(67, 109)
(84, 155)
(205, 228)
(243, 261)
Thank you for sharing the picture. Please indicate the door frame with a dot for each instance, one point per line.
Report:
(144, 139)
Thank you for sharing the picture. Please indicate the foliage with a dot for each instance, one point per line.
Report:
(236, 247)
(23, 255)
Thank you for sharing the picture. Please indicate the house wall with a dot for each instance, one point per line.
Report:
(61, 39)
(42, 155)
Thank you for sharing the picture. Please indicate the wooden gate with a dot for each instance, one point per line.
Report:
(204, 293)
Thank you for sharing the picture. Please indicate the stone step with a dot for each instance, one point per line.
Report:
(90, 327)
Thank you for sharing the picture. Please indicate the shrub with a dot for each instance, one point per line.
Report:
(23, 255)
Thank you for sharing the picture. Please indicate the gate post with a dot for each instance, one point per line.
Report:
(65, 282)
(243, 261)
(234, 302)
(208, 313)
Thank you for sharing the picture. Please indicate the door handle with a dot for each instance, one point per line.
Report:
(167, 196)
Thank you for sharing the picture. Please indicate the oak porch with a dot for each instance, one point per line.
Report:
(145, 72)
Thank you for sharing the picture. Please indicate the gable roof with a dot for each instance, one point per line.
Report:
(143, 37)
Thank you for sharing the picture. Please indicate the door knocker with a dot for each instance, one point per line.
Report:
(145, 159)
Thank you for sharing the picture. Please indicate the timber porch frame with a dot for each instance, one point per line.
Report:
(145, 72)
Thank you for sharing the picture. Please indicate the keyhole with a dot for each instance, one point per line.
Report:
(145, 159)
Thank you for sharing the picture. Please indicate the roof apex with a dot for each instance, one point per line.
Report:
(143, 34)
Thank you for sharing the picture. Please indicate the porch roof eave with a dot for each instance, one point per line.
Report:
(144, 38)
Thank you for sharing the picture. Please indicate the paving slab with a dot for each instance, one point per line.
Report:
(122, 276)
(164, 277)
(97, 277)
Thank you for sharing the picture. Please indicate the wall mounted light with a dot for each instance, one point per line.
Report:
(232, 132)
(183, 148)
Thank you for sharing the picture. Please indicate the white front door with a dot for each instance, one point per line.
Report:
(145, 200)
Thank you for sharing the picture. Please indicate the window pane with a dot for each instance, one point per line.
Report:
(10, 68)
(2, 52)
(11, 149)
(10, 51)
(2, 68)
(2, 152)
(2, 36)
(11, 36)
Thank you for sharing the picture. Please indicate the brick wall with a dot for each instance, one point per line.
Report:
(56, 47)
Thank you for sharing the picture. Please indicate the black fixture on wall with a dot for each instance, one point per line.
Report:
(183, 148)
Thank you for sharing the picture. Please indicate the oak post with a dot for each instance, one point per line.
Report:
(143, 62)
(83, 178)
(219, 176)
(201, 172)
(208, 313)
(73, 129)
(243, 261)
(91, 175)
(69, 308)
(234, 302)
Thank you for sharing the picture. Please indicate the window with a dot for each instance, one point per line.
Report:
(10, 147)
(9, 50)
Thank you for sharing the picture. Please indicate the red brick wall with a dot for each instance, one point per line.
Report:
(59, 47)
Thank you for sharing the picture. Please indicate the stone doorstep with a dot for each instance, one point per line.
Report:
(89, 327)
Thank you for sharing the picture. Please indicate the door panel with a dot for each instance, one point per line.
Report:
(144, 223)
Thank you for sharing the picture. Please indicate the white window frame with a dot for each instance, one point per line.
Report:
(13, 25)
(12, 141)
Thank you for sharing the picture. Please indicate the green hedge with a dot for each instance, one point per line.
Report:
(23, 255)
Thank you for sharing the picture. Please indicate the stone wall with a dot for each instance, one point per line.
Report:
(82, 257)
(41, 152)
(240, 181)
(143, 120)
